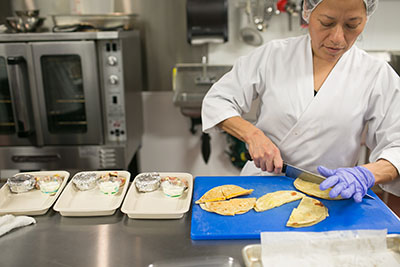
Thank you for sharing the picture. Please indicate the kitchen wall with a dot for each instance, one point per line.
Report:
(381, 33)
(183, 149)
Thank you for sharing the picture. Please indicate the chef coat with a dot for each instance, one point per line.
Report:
(313, 130)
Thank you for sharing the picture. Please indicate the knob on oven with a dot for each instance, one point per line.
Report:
(113, 79)
(112, 61)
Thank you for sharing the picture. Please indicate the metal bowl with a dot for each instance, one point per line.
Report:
(27, 13)
(24, 24)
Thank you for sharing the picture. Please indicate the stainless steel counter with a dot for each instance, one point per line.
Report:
(108, 241)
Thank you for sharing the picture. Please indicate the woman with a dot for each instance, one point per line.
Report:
(317, 93)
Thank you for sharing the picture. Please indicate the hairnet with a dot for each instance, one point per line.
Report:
(310, 5)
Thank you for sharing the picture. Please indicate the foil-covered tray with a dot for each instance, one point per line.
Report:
(74, 202)
(252, 253)
(33, 202)
(156, 204)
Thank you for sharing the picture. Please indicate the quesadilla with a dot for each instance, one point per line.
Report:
(309, 212)
(312, 189)
(230, 207)
(276, 199)
(223, 192)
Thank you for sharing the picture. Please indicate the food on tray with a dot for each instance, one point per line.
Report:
(230, 207)
(276, 199)
(21, 183)
(49, 184)
(116, 176)
(309, 212)
(223, 192)
(312, 189)
(173, 186)
(85, 180)
(109, 183)
(147, 182)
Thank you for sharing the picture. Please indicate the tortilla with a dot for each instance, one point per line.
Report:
(312, 189)
(223, 192)
(276, 199)
(230, 207)
(309, 212)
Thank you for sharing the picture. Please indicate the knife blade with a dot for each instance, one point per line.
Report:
(296, 172)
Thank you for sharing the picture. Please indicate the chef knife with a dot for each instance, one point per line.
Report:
(296, 172)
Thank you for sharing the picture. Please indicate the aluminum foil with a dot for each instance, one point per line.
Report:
(147, 182)
(21, 183)
(85, 180)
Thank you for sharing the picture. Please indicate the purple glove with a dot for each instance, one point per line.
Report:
(347, 182)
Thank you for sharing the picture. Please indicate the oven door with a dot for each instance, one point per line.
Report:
(16, 96)
(67, 78)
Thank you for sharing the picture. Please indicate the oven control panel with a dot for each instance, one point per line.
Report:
(113, 91)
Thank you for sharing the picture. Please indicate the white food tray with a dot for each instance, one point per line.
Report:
(74, 202)
(155, 205)
(33, 202)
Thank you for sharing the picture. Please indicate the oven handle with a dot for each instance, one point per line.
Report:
(20, 95)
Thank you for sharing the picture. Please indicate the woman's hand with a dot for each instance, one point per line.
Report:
(263, 151)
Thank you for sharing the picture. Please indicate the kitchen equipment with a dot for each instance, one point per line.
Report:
(101, 22)
(207, 21)
(296, 172)
(263, 12)
(343, 214)
(24, 24)
(33, 202)
(76, 203)
(190, 83)
(249, 34)
(70, 100)
(27, 13)
(155, 205)
(199, 261)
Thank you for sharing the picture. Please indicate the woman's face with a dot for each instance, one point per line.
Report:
(334, 27)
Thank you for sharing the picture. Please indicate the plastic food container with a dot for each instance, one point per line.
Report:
(85, 180)
(173, 186)
(148, 182)
(21, 183)
(49, 184)
(109, 183)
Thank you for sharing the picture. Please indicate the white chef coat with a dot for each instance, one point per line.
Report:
(313, 130)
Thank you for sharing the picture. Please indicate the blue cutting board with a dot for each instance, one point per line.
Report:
(343, 214)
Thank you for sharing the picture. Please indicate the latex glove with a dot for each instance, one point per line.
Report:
(347, 182)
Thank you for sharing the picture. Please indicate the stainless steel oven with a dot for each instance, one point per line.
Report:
(70, 100)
